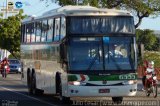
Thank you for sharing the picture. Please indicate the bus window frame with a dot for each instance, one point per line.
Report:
(35, 28)
(23, 30)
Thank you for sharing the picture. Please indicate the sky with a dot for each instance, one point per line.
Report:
(34, 7)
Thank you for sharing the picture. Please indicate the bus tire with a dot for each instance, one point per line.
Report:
(33, 83)
(29, 82)
(35, 91)
(117, 100)
(57, 82)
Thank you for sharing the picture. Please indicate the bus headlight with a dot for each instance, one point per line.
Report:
(130, 82)
(77, 83)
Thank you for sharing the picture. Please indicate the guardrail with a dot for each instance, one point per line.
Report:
(140, 72)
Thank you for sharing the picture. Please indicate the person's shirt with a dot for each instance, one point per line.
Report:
(150, 70)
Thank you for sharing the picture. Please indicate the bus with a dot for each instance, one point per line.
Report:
(80, 51)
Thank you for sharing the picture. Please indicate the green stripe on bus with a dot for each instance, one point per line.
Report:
(104, 77)
(72, 78)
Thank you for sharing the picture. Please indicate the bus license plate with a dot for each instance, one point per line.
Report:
(104, 90)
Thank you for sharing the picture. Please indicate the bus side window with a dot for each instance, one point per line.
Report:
(50, 30)
(44, 30)
(57, 29)
(38, 31)
(63, 28)
(32, 32)
(28, 32)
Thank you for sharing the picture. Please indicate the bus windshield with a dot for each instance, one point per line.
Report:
(86, 54)
(119, 53)
(101, 54)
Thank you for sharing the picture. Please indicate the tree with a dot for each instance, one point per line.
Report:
(148, 38)
(10, 34)
(139, 8)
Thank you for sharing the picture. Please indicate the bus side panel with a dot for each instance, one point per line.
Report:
(49, 69)
(43, 59)
(64, 79)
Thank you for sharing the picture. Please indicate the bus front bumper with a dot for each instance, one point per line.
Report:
(102, 91)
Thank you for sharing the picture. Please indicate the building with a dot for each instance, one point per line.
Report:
(4, 53)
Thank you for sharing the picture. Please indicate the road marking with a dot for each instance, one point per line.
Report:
(28, 96)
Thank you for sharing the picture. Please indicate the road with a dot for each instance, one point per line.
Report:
(14, 93)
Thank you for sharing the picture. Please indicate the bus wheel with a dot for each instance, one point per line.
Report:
(117, 100)
(34, 89)
(29, 82)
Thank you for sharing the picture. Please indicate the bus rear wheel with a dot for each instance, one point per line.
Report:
(29, 82)
(33, 83)
(117, 100)
(35, 91)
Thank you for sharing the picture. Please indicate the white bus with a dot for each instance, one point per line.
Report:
(80, 51)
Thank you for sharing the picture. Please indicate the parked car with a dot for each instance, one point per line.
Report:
(15, 65)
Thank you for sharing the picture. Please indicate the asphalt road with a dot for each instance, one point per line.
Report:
(14, 93)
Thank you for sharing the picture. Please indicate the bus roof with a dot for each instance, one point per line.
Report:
(80, 11)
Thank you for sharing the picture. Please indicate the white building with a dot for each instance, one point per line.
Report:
(4, 53)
